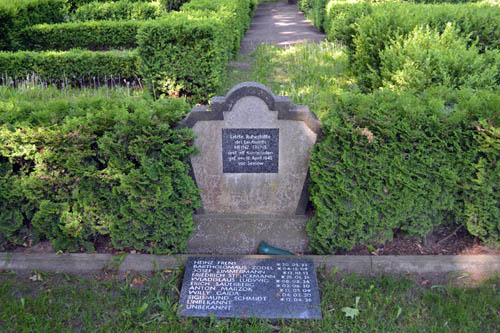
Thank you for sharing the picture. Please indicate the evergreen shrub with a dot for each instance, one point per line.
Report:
(426, 58)
(395, 161)
(76, 168)
(92, 35)
(376, 31)
(172, 5)
(186, 53)
(75, 4)
(241, 11)
(115, 11)
(19, 14)
(75, 67)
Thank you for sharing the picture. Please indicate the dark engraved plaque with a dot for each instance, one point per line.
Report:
(250, 150)
(249, 287)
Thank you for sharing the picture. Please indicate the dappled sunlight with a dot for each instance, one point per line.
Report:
(311, 74)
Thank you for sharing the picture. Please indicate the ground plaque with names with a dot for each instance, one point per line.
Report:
(250, 287)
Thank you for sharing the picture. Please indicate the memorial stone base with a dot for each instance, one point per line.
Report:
(242, 234)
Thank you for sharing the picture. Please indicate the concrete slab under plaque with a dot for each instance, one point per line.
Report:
(242, 234)
(250, 287)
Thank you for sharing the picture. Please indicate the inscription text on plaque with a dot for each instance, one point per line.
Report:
(250, 150)
(237, 287)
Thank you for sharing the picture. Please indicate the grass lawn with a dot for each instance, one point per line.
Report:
(45, 302)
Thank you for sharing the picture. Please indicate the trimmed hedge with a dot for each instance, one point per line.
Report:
(426, 58)
(393, 161)
(92, 35)
(75, 67)
(242, 11)
(19, 14)
(374, 32)
(186, 53)
(172, 5)
(75, 4)
(120, 10)
(73, 169)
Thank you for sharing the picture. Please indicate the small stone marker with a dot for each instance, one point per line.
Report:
(250, 287)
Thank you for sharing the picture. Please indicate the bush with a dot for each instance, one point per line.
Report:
(172, 5)
(75, 4)
(427, 58)
(341, 17)
(121, 10)
(398, 162)
(75, 67)
(318, 14)
(240, 10)
(98, 166)
(305, 6)
(387, 21)
(15, 16)
(187, 52)
(92, 35)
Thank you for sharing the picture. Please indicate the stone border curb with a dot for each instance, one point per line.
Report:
(88, 263)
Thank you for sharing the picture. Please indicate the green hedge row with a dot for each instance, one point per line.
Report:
(75, 4)
(186, 52)
(426, 58)
(75, 67)
(19, 14)
(396, 161)
(375, 32)
(120, 10)
(367, 29)
(74, 169)
(92, 35)
(170, 5)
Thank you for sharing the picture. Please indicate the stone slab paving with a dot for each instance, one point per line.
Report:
(281, 24)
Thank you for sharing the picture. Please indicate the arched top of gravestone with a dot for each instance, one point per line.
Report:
(280, 104)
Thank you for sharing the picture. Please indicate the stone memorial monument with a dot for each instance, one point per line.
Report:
(252, 170)
(250, 287)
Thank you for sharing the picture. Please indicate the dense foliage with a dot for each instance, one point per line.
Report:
(419, 148)
(19, 14)
(75, 67)
(394, 161)
(75, 168)
(92, 35)
(186, 52)
(120, 10)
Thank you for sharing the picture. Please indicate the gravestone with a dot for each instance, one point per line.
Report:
(250, 287)
(252, 171)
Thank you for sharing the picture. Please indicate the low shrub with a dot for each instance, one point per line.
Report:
(241, 11)
(305, 6)
(75, 67)
(340, 19)
(75, 4)
(92, 35)
(427, 58)
(318, 12)
(115, 11)
(186, 53)
(391, 161)
(17, 15)
(83, 167)
(375, 32)
(172, 5)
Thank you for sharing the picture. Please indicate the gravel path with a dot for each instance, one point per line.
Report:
(280, 24)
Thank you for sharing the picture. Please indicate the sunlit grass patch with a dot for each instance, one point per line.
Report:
(310, 74)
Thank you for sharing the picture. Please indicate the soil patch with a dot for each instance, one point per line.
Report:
(441, 241)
